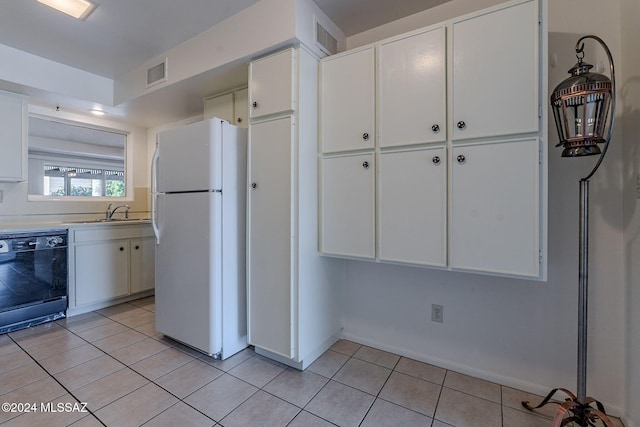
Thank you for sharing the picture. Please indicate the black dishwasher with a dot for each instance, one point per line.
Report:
(33, 278)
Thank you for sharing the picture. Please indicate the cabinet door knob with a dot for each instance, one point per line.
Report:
(436, 160)
(254, 185)
(365, 165)
(365, 136)
(121, 248)
(239, 120)
(255, 104)
(435, 128)
(461, 159)
(461, 125)
(137, 247)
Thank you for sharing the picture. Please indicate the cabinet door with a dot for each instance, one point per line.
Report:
(13, 137)
(102, 271)
(270, 234)
(271, 84)
(495, 73)
(348, 206)
(412, 89)
(347, 101)
(241, 108)
(220, 107)
(412, 206)
(495, 204)
(142, 264)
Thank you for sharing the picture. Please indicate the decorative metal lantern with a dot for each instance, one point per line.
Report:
(581, 105)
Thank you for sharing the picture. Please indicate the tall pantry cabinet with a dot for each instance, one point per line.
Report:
(292, 301)
(450, 168)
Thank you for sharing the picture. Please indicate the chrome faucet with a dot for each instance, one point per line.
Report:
(111, 212)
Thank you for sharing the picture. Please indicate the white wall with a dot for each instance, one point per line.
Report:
(440, 13)
(27, 70)
(17, 208)
(629, 92)
(516, 332)
(259, 29)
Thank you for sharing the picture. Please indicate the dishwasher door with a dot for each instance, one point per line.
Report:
(33, 278)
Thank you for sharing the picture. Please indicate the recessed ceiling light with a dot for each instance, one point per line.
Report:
(79, 9)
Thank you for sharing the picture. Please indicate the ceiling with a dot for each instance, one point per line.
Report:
(121, 35)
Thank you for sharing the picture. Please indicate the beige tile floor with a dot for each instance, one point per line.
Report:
(114, 361)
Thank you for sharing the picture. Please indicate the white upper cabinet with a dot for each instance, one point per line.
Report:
(459, 152)
(241, 108)
(412, 89)
(347, 107)
(348, 206)
(495, 207)
(271, 84)
(412, 206)
(495, 77)
(232, 107)
(219, 106)
(13, 137)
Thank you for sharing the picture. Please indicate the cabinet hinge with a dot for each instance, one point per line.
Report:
(539, 257)
(539, 111)
(540, 156)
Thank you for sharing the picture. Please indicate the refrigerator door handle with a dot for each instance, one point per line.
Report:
(154, 218)
(154, 195)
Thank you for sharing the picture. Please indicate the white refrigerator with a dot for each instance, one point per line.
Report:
(198, 187)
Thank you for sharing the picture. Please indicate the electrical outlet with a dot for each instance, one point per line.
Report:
(437, 313)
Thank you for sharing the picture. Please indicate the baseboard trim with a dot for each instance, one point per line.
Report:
(104, 304)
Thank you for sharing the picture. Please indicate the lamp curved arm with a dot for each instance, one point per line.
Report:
(579, 50)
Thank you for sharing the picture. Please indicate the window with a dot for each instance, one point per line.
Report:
(75, 160)
(68, 181)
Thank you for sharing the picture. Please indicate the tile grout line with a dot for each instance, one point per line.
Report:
(56, 380)
(377, 396)
(178, 348)
(151, 381)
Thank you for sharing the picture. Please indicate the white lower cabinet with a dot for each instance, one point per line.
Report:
(108, 263)
(412, 206)
(102, 271)
(143, 252)
(495, 207)
(348, 205)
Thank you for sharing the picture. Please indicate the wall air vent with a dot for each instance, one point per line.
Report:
(325, 41)
(157, 73)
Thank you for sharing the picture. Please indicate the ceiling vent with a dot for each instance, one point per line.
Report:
(157, 73)
(325, 41)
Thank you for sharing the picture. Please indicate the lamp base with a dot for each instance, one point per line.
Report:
(581, 151)
(582, 414)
